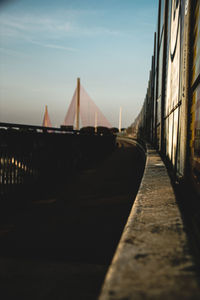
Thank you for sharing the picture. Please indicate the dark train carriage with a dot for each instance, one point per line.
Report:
(175, 112)
(195, 96)
(159, 63)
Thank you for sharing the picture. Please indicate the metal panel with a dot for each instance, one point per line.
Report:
(175, 136)
(174, 55)
(173, 82)
(184, 75)
(196, 46)
(167, 136)
(195, 108)
(195, 140)
(170, 136)
(179, 144)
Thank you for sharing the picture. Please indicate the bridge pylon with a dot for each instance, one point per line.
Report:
(83, 111)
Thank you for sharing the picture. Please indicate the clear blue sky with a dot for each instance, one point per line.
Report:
(45, 45)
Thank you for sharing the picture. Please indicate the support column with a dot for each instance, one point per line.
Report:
(96, 124)
(120, 119)
(78, 104)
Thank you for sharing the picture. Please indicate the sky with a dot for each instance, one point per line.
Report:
(46, 45)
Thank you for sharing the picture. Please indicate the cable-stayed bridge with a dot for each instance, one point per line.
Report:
(82, 111)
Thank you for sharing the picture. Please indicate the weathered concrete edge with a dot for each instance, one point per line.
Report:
(152, 260)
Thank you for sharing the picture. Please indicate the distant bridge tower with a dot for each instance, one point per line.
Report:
(78, 104)
(83, 111)
(46, 120)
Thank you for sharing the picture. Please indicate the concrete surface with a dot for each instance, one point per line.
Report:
(153, 259)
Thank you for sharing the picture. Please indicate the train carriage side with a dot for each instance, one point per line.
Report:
(170, 116)
(176, 91)
(194, 145)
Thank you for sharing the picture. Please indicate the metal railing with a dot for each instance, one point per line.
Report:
(34, 160)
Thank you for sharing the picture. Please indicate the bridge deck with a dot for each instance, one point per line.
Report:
(61, 248)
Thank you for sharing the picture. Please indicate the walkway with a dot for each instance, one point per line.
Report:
(153, 259)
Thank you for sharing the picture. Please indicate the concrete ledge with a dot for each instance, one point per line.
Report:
(152, 260)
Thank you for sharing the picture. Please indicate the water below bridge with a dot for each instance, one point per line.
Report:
(61, 248)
